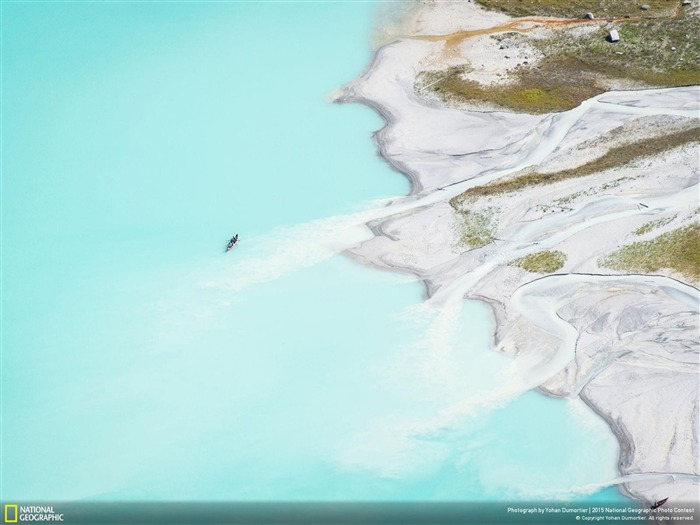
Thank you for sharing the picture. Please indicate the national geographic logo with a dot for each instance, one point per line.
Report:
(14, 513)
(10, 513)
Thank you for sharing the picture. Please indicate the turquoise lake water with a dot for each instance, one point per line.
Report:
(139, 362)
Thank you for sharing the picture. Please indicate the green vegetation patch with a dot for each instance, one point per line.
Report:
(678, 250)
(615, 157)
(663, 52)
(476, 229)
(576, 67)
(541, 262)
(652, 225)
(536, 90)
(579, 8)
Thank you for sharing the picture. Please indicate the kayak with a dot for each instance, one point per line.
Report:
(232, 242)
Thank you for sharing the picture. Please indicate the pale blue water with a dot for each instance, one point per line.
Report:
(139, 362)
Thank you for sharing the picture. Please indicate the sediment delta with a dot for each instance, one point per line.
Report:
(624, 342)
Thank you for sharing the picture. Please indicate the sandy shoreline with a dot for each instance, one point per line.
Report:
(444, 151)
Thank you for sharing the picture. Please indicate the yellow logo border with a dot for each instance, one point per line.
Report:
(8, 507)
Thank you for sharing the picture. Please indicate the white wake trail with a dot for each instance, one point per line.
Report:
(291, 248)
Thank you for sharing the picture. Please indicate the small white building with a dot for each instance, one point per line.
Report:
(614, 36)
